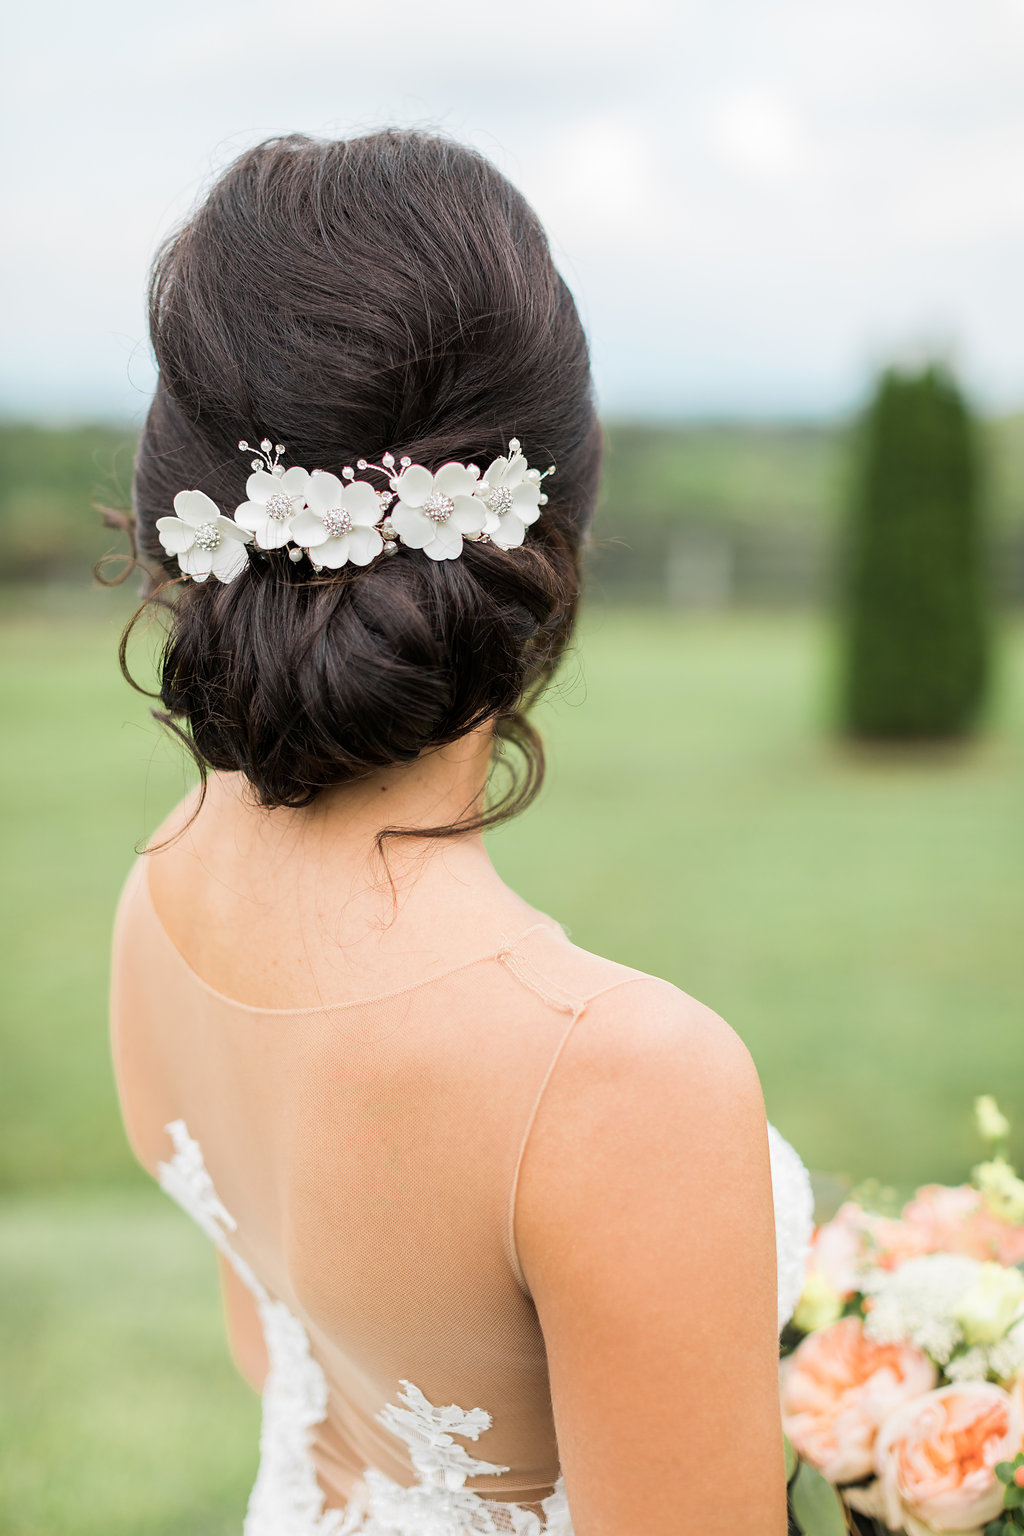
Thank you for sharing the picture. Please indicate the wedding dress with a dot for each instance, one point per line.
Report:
(356, 1164)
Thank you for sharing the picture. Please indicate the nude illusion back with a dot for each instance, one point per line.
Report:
(357, 1165)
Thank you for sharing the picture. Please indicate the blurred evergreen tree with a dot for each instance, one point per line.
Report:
(916, 631)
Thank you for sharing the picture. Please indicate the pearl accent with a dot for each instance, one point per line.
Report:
(207, 537)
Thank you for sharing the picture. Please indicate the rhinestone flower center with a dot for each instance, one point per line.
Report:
(207, 537)
(438, 507)
(337, 521)
(279, 506)
(500, 500)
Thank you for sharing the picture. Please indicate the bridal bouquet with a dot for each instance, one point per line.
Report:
(902, 1380)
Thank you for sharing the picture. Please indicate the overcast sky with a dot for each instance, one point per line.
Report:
(754, 201)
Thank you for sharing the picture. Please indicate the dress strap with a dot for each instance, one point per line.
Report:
(557, 971)
(513, 955)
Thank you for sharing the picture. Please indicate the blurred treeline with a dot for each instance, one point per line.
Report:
(690, 514)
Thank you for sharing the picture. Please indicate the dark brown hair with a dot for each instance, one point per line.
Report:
(386, 293)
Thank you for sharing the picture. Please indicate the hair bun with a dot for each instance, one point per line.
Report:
(359, 296)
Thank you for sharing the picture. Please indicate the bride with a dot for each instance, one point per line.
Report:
(494, 1215)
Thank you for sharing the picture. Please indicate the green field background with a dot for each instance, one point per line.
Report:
(856, 915)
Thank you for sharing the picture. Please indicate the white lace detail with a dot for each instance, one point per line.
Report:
(794, 1221)
(286, 1499)
(439, 1504)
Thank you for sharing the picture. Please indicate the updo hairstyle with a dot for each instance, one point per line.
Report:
(386, 293)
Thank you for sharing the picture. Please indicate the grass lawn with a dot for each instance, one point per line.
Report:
(856, 917)
(121, 1414)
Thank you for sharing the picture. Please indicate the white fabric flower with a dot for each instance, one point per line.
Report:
(273, 502)
(435, 512)
(205, 542)
(513, 498)
(338, 522)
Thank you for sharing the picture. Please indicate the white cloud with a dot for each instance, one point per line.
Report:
(758, 133)
(600, 180)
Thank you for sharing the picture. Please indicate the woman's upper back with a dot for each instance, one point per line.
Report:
(404, 1179)
(367, 1151)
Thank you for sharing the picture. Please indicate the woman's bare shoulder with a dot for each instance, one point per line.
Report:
(634, 1019)
(644, 1229)
(665, 1069)
(649, 1079)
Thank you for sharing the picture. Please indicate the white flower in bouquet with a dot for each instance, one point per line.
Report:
(991, 1122)
(916, 1304)
(1003, 1359)
(820, 1303)
(970, 1365)
(1006, 1358)
(1001, 1190)
(991, 1305)
(967, 1315)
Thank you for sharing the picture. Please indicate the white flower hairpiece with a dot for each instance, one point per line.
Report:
(333, 520)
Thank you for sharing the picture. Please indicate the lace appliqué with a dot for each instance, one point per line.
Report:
(286, 1499)
(794, 1221)
(439, 1503)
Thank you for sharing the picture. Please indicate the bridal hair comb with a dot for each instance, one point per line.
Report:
(331, 521)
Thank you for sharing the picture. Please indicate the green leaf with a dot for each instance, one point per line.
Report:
(791, 1458)
(1013, 1497)
(817, 1507)
(1004, 1471)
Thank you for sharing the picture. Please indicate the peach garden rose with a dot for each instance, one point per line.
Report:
(838, 1387)
(956, 1219)
(936, 1456)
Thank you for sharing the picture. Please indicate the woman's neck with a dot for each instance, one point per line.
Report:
(312, 883)
(438, 789)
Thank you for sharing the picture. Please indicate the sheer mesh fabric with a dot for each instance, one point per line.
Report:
(357, 1165)
(360, 1164)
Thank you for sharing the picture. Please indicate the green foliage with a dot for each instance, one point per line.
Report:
(916, 660)
(1011, 1521)
(815, 1506)
(51, 483)
(711, 475)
